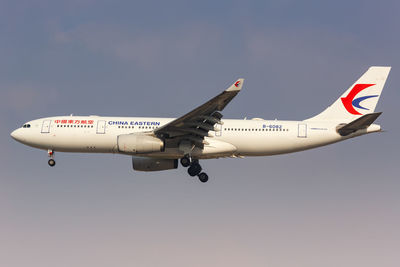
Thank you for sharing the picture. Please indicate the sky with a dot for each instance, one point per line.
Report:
(337, 205)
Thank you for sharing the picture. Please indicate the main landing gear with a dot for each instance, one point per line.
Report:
(185, 161)
(51, 161)
(194, 168)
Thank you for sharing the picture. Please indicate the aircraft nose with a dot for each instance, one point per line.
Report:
(17, 135)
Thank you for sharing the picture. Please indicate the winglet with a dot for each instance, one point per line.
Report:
(236, 86)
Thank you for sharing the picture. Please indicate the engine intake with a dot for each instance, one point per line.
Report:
(152, 164)
(139, 144)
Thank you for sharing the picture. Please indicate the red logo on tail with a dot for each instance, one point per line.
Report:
(348, 100)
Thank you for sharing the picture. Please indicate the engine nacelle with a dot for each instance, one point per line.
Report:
(139, 144)
(151, 164)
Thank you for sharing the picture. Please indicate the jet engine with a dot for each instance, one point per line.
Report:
(152, 164)
(139, 144)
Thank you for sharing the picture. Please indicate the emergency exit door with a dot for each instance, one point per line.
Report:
(101, 127)
(302, 133)
(46, 126)
(218, 128)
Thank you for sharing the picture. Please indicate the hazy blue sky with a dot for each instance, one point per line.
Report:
(334, 206)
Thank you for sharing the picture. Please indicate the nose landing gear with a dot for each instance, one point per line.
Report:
(51, 161)
(194, 168)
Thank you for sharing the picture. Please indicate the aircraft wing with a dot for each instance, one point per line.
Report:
(196, 124)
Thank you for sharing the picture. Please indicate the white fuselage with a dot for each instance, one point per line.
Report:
(234, 138)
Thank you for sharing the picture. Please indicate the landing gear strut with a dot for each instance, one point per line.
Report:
(51, 161)
(194, 168)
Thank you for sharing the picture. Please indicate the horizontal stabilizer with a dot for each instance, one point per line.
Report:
(358, 124)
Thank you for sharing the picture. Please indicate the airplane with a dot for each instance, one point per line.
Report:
(157, 144)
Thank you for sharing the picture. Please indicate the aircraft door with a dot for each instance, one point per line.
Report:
(302, 130)
(101, 127)
(218, 127)
(46, 126)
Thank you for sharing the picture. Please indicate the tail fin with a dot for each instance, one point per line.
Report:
(361, 98)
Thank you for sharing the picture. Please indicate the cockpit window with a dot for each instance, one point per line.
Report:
(26, 126)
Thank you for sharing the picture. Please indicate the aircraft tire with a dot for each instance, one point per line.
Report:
(52, 162)
(185, 161)
(203, 177)
(194, 169)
